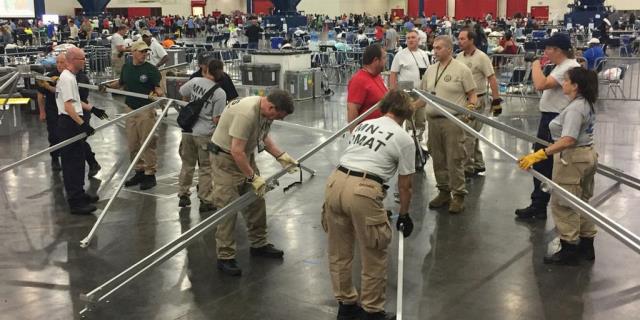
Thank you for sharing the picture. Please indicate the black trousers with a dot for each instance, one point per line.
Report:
(73, 158)
(539, 198)
(90, 157)
(52, 131)
(53, 137)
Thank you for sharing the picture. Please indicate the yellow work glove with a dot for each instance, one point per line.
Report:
(468, 118)
(259, 185)
(287, 161)
(529, 160)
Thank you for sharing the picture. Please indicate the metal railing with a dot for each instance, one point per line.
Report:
(605, 223)
(102, 292)
(602, 169)
(619, 77)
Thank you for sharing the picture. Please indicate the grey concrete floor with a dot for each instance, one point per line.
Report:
(481, 264)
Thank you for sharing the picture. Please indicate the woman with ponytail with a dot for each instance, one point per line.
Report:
(574, 166)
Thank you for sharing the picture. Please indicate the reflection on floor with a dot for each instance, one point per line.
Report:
(477, 265)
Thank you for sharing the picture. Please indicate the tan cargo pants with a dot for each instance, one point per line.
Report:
(445, 141)
(420, 119)
(138, 128)
(193, 150)
(163, 81)
(475, 160)
(353, 210)
(229, 185)
(577, 177)
(116, 64)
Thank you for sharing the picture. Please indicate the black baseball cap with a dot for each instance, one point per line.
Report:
(204, 57)
(558, 40)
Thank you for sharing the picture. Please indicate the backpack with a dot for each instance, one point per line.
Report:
(188, 115)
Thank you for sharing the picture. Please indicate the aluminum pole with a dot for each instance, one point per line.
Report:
(118, 91)
(400, 274)
(85, 242)
(619, 232)
(602, 169)
(178, 65)
(5, 77)
(73, 139)
(14, 85)
(10, 81)
(167, 251)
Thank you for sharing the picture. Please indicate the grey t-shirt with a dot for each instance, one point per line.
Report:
(576, 121)
(554, 100)
(391, 36)
(195, 89)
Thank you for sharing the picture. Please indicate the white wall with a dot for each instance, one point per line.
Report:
(338, 7)
(60, 7)
(180, 7)
(624, 4)
(557, 8)
(328, 7)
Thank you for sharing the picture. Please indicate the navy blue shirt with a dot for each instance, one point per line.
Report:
(593, 55)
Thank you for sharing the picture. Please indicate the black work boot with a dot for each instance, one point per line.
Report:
(135, 180)
(55, 164)
(83, 209)
(90, 199)
(229, 266)
(382, 315)
(585, 249)
(267, 251)
(148, 182)
(349, 311)
(531, 212)
(93, 169)
(184, 201)
(567, 256)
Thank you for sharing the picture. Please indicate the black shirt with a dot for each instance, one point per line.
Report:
(50, 97)
(82, 77)
(253, 33)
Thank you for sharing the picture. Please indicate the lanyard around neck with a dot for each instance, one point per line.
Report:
(440, 76)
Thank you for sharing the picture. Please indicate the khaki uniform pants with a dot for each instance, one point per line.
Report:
(116, 64)
(446, 146)
(420, 119)
(577, 177)
(193, 150)
(475, 160)
(163, 81)
(353, 210)
(230, 184)
(138, 128)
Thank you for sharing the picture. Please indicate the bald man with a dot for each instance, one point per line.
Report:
(71, 123)
(49, 110)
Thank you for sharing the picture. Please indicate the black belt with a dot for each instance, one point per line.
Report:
(361, 174)
(68, 116)
(215, 149)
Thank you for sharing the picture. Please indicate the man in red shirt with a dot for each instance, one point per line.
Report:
(366, 87)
